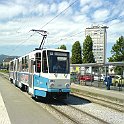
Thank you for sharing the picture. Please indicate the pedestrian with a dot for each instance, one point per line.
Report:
(56, 67)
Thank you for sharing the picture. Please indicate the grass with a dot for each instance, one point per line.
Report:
(4, 71)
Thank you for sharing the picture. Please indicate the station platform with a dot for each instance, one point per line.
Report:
(117, 96)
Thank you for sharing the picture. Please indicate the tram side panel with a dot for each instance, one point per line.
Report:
(40, 83)
(45, 85)
(11, 76)
(25, 75)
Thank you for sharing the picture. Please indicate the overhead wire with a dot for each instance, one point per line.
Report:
(57, 15)
(34, 6)
(79, 33)
(84, 31)
(57, 40)
(54, 19)
(47, 23)
(66, 37)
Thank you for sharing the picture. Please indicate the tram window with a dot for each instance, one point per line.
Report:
(44, 63)
(58, 62)
(18, 65)
(38, 62)
(23, 64)
(11, 66)
(31, 66)
(38, 56)
(26, 63)
(14, 66)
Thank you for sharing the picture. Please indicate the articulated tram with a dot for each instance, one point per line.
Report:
(36, 74)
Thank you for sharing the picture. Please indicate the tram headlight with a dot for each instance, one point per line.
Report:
(67, 85)
(51, 85)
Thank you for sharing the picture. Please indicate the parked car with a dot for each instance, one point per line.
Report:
(86, 78)
(99, 77)
(117, 80)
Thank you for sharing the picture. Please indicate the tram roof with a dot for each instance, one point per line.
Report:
(50, 49)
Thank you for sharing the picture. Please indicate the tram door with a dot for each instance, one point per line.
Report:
(38, 62)
(31, 71)
(15, 72)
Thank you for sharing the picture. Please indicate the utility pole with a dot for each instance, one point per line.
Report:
(44, 34)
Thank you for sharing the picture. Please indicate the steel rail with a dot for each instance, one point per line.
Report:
(103, 102)
(65, 115)
(86, 113)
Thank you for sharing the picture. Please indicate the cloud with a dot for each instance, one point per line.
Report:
(115, 30)
(122, 13)
(53, 8)
(84, 2)
(81, 19)
(20, 2)
(117, 8)
(91, 3)
(22, 16)
(10, 11)
(59, 29)
(85, 9)
(62, 6)
(100, 15)
(18, 8)
(96, 3)
(42, 9)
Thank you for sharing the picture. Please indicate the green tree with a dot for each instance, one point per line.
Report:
(118, 54)
(1, 64)
(76, 53)
(62, 47)
(88, 56)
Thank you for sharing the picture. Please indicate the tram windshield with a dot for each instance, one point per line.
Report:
(58, 62)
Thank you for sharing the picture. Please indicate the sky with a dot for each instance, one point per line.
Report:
(19, 17)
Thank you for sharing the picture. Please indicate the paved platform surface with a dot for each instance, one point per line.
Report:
(17, 107)
(4, 118)
(114, 95)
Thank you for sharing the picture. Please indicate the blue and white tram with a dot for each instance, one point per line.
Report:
(36, 74)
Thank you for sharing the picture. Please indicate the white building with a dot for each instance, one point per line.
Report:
(99, 37)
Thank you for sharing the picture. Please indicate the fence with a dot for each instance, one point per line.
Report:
(99, 74)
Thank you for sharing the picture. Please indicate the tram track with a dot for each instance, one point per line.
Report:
(77, 110)
(64, 110)
(100, 101)
(72, 113)
(105, 102)
(65, 115)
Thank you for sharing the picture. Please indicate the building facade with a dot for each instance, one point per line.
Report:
(6, 62)
(99, 38)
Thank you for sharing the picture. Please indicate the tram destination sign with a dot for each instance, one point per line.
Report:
(51, 53)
